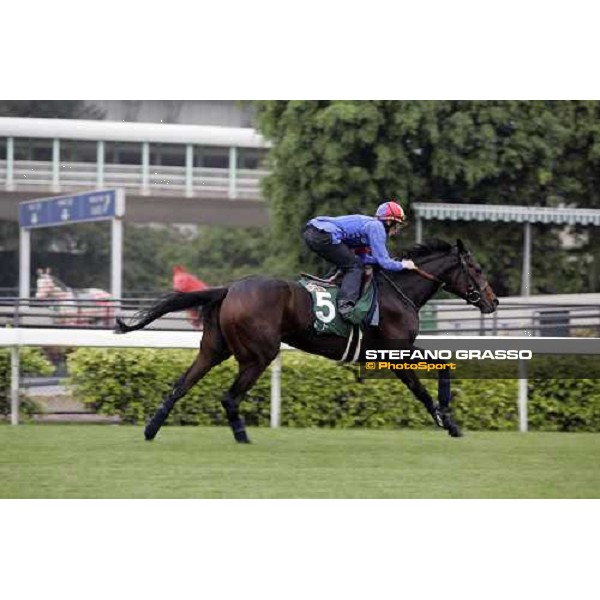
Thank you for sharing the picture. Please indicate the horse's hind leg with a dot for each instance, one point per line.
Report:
(213, 351)
(247, 376)
(252, 363)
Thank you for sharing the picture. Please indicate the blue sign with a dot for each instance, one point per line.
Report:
(74, 208)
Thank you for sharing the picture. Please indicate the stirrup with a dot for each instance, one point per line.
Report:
(346, 308)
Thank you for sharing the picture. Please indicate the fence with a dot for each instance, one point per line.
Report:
(181, 181)
(550, 316)
(15, 338)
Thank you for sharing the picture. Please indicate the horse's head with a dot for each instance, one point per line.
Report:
(46, 285)
(466, 280)
(459, 272)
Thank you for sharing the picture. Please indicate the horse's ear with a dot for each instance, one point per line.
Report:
(460, 246)
(48, 270)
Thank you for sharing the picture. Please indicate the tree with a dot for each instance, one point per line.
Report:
(337, 157)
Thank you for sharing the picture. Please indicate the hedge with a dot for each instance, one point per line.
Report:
(317, 392)
(33, 362)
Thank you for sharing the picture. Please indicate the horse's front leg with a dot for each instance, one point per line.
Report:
(444, 409)
(413, 383)
(440, 413)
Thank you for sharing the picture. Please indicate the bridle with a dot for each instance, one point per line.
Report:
(474, 290)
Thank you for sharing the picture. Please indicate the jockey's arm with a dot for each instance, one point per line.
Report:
(379, 254)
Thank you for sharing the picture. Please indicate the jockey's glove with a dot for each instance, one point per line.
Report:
(408, 264)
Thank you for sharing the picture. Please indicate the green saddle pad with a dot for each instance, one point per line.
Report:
(324, 303)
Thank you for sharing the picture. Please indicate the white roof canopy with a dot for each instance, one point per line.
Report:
(114, 131)
(506, 213)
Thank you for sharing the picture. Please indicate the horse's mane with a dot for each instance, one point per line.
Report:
(428, 247)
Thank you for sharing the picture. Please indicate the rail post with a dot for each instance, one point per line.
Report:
(276, 391)
(14, 384)
(232, 184)
(522, 399)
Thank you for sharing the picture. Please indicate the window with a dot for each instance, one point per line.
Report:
(168, 155)
(2, 148)
(211, 157)
(250, 158)
(33, 149)
(123, 153)
(78, 151)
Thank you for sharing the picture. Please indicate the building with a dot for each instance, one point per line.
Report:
(171, 172)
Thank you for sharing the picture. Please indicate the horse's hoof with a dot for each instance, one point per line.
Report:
(241, 437)
(455, 431)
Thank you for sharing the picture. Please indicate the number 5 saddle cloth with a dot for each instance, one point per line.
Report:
(324, 295)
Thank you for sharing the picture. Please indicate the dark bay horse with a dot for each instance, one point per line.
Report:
(251, 317)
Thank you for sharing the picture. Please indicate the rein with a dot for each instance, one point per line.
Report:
(473, 294)
(400, 293)
(429, 276)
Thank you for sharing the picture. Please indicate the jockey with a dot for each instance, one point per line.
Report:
(352, 241)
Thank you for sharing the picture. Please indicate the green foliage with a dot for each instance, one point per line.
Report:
(221, 254)
(564, 404)
(79, 254)
(336, 157)
(318, 393)
(32, 362)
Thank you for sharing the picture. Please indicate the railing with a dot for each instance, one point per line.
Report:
(513, 318)
(80, 314)
(437, 318)
(16, 338)
(32, 173)
(180, 181)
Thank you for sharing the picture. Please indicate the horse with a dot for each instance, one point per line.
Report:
(251, 317)
(85, 306)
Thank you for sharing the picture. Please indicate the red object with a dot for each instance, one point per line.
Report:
(186, 282)
(394, 211)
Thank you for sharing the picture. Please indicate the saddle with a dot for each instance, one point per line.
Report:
(336, 279)
(324, 293)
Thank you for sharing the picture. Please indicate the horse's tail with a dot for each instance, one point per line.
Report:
(170, 303)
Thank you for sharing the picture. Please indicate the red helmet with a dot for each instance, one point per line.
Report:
(391, 211)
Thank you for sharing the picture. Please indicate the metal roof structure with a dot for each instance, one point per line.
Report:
(527, 215)
(506, 213)
(114, 131)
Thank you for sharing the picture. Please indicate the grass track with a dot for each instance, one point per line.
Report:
(103, 461)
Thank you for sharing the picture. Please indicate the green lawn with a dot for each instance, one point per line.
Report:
(112, 461)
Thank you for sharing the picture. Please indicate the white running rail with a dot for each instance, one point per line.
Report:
(16, 338)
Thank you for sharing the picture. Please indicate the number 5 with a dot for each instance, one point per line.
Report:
(324, 301)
